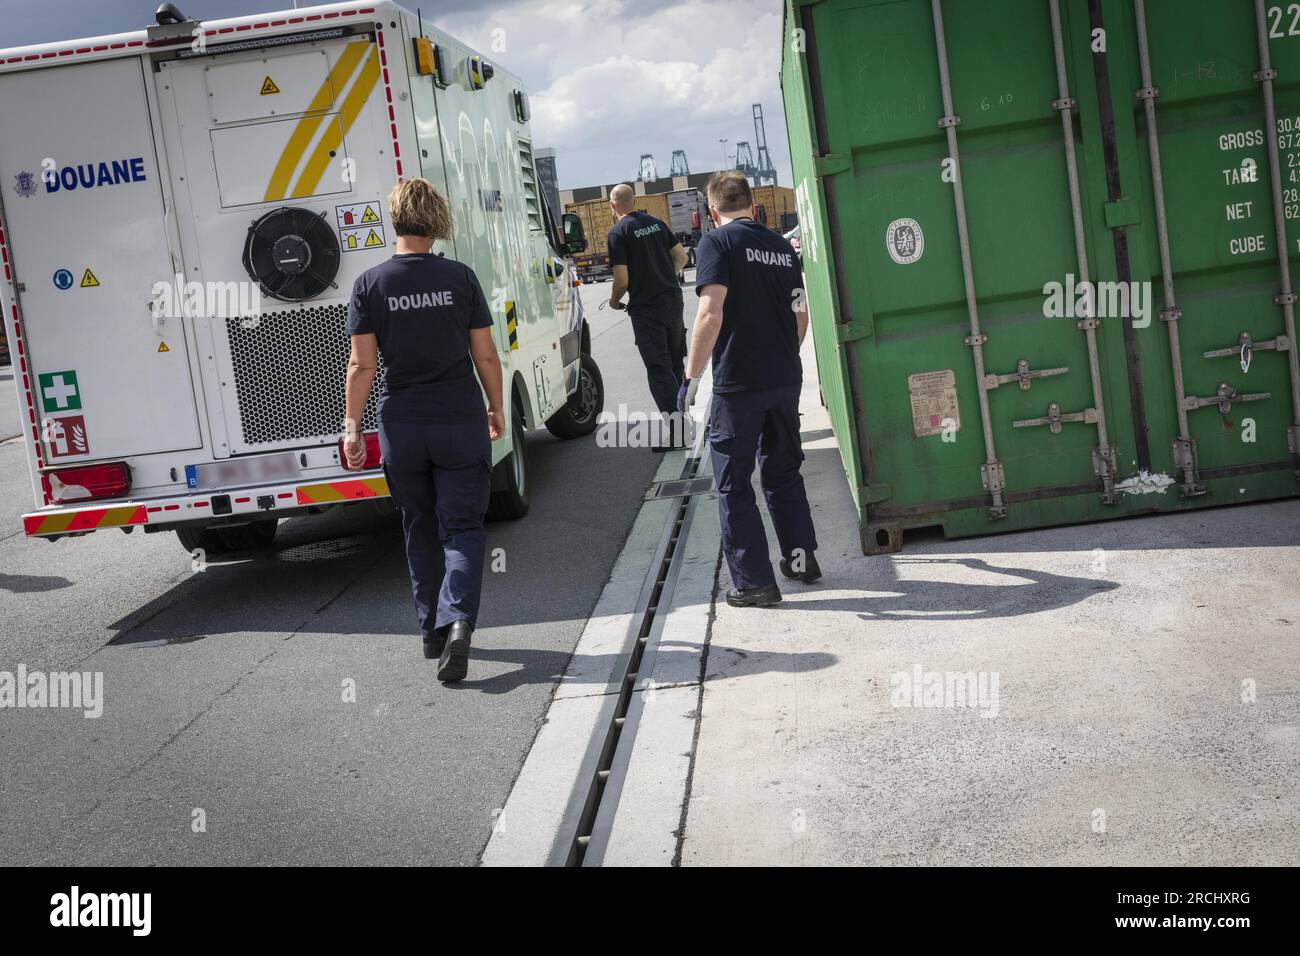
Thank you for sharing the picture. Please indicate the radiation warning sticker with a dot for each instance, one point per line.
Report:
(268, 87)
(358, 214)
(366, 237)
(934, 402)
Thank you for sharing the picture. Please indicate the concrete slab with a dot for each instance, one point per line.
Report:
(1147, 705)
(647, 822)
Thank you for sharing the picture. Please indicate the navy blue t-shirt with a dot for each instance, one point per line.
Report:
(758, 346)
(420, 308)
(641, 242)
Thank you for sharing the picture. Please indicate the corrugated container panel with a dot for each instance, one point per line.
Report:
(961, 168)
(774, 202)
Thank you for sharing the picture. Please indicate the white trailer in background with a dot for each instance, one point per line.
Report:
(151, 177)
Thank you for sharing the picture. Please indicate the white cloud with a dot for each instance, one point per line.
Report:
(610, 80)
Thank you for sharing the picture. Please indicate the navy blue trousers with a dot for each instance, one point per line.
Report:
(760, 425)
(661, 340)
(440, 477)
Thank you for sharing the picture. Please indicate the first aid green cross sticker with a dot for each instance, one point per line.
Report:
(59, 392)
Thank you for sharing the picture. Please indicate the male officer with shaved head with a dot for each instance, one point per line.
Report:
(647, 257)
(751, 322)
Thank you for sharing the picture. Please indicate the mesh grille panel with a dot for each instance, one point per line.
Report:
(290, 371)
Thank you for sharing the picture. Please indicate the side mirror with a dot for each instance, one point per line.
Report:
(575, 237)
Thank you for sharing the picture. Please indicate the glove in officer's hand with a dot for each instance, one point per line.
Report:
(496, 424)
(686, 394)
(354, 450)
(616, 305)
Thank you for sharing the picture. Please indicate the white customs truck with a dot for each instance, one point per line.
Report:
(183, 212)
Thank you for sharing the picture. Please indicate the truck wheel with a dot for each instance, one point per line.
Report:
(249, 537)
(510, 476)
(206, 539)
(579, 415)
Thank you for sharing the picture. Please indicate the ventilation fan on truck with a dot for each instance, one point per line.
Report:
(292, 254)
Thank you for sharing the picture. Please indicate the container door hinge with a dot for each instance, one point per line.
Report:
(875, 492)
(1055, 417)
(994, 481)
(1224, 397)
(830, 164)
(852, 330)
(1293, 443)
(1103, 466)
(1184, 455)
(1022, 375)
(1122, 212)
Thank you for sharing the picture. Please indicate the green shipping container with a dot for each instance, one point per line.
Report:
(1046, 247)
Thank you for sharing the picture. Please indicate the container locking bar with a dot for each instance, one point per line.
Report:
(991, 471)
(1224, 398)
(1246, 347)
(1022, 375)
(1286, 300)
(1103, 455)
(1191, 484)
(1054, 418)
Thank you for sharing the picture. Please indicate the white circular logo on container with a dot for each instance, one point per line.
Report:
(905, 241)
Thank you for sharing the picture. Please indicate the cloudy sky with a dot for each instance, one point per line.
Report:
(609, 79)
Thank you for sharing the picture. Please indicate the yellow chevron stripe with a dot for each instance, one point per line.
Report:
(56, 523)
(331, 492)
(114, 517)
(332, 138)
(305, 131)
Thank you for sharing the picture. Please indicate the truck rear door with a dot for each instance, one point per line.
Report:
(84, 205)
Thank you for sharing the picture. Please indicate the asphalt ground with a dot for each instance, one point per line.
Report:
(275, 708)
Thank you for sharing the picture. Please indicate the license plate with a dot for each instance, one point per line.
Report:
(242, 471)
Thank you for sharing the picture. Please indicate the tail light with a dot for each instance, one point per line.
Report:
(112, 480)
(373, 455)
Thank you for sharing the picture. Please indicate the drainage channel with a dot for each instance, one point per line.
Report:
(584, 839)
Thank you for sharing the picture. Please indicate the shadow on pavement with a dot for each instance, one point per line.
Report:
(546, 667)
(344, 571)
(955, 601)
(26, 583)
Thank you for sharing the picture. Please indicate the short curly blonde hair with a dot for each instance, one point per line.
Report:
(416, 208)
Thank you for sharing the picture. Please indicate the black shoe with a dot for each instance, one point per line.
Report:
(754, 597)
(811, 570)
(433, 645)
(453, 665)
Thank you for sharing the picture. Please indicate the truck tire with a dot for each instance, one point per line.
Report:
(249, 537)
(580, 413)
(205, 539)
(510, 487)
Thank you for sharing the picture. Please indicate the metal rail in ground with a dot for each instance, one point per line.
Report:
(589, 819)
